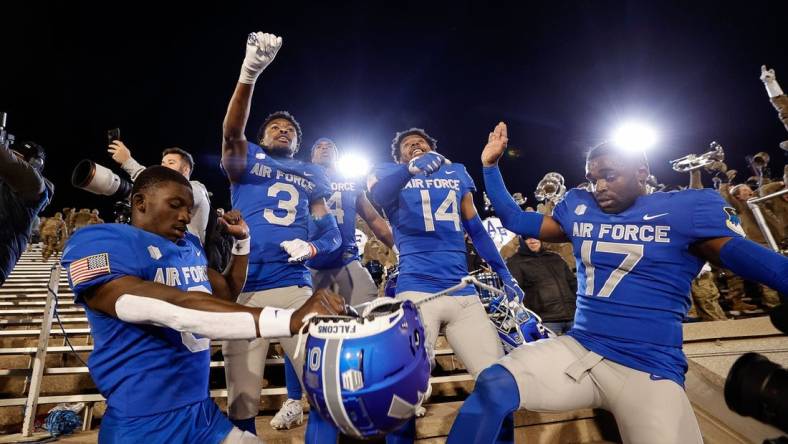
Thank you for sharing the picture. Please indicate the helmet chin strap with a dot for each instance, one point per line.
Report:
(304, 326)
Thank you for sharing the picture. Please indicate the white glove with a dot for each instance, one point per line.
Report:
(261, 49)
(770, 82)
(298, 250)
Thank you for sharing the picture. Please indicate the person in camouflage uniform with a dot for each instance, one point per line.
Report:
(53, 232)
(82, 218)
(94, 218)
(706, 296)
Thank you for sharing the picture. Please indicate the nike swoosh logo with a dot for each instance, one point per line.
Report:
(308, 175)
(647, 217)
(450, 172)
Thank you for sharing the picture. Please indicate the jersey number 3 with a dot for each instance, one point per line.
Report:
(289, 204)
(632, 255)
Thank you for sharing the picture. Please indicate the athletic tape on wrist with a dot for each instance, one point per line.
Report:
(241, 247)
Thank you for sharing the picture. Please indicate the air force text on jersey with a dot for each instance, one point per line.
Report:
(258, 169)
(175, 277)
(622, 232)
(451, 184)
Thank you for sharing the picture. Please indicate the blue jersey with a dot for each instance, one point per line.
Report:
(427, 226)
(634, 273)
(342, 204)
(274, 196)
(140, 369)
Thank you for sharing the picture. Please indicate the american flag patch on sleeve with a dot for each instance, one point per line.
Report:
(88, 268)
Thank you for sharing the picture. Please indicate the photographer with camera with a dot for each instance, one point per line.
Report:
(24, 193)
(175, 159)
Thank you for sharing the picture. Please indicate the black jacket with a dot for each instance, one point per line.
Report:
(550, 286)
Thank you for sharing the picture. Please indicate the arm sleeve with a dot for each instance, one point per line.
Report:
(96, 255)
(386, 182)
(486, 247)
(512, 217)
(327, 236)
(752, 261)
(133, 168)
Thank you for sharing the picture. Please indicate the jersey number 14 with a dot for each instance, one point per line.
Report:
(447, 211)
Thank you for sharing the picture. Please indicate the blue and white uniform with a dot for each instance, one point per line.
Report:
(426, 220)
(155, 379)
(342, 266)
(635, 271)
(624, 352)
(274, 195)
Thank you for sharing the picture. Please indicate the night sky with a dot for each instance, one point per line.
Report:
(560, 74)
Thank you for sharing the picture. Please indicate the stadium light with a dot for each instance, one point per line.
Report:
(634, 136)
(353, 165)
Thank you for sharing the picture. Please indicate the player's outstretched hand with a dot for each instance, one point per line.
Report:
(120, 153)
(235, 225)
(322, 302)
(767, 75)
(496, 145)
(261, 48)
(299, 250)
(427, 163)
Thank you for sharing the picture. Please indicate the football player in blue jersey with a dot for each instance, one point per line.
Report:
(347, 199)
(637, 254)
(278, 197)
(339, 269)
(153, 306)
(429, 203)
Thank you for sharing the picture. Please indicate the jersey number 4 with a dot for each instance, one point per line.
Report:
(447, 211)
(632, 255)
(334, 205)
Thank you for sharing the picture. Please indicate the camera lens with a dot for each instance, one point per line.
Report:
(758, 388)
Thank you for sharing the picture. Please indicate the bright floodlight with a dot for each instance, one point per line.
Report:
(353, 165)
(635, 136)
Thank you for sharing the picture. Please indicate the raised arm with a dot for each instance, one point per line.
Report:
(528, 224)
(228, 285)
(261, 49)
(122, 156)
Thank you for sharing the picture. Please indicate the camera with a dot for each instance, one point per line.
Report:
(98, 179)
(6, 138)
(757, 387)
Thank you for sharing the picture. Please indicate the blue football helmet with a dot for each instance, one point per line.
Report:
(516, 324)
(367, 375)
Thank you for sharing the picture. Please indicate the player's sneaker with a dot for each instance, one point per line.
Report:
(290, 415)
